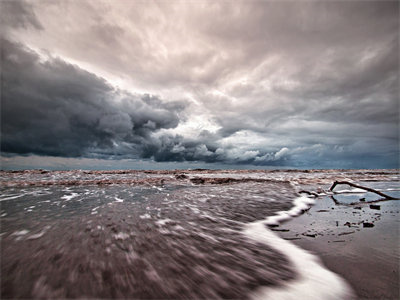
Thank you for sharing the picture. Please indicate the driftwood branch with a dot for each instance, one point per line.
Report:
(363, 188)
(309, 193)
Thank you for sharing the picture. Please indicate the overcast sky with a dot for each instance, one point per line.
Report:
(289, 83)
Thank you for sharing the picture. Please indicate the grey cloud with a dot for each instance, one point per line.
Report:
(17, 14)
(170, 44)
(55, 108)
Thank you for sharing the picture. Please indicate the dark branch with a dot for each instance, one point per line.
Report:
(309, 193)
(362, 187)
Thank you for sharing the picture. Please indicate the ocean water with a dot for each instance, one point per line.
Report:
(163, 234)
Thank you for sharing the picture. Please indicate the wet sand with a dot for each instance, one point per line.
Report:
(367, 257)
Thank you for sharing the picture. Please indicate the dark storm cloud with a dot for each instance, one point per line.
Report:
(55, 108)
(50, 107)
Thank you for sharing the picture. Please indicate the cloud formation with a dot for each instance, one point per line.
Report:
(54, 108)
(311, 84)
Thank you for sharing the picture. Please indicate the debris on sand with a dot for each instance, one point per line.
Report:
(313, 235)
(374, 206)
(345, 233)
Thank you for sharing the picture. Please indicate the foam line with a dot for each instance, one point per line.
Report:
(314, 281)
(300, 205)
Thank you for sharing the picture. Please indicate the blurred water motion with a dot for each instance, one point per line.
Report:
(161, 236)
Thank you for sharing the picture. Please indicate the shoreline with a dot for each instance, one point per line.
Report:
(366, 257)
(125, 212)
(314, 280)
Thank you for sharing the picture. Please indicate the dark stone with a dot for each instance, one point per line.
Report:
(374, 206)
(197, 180)
(362, 199)
(181, 176)
(366, 224)
(272, 225)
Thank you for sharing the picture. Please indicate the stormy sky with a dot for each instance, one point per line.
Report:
(304, 84)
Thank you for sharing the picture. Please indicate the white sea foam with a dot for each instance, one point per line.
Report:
(314, 281)
(162, 222)
(11, 197)
(121, 236)
(38, 235)
(301, 204)
(145, 216)
(178, 227)
(352, 191)
(69, 197)
(21, 232)
(118, 199)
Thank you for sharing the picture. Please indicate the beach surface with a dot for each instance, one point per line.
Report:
(198, 234)
(367, 256)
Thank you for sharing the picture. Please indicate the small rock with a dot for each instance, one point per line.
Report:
(181, 176)
(366, 224)
(273, 225)
(374, 206)
(357, 207)
(362, 199)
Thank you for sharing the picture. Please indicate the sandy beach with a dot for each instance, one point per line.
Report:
(367, 257)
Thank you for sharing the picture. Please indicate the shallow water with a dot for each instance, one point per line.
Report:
(168, 234)
(180, 241)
